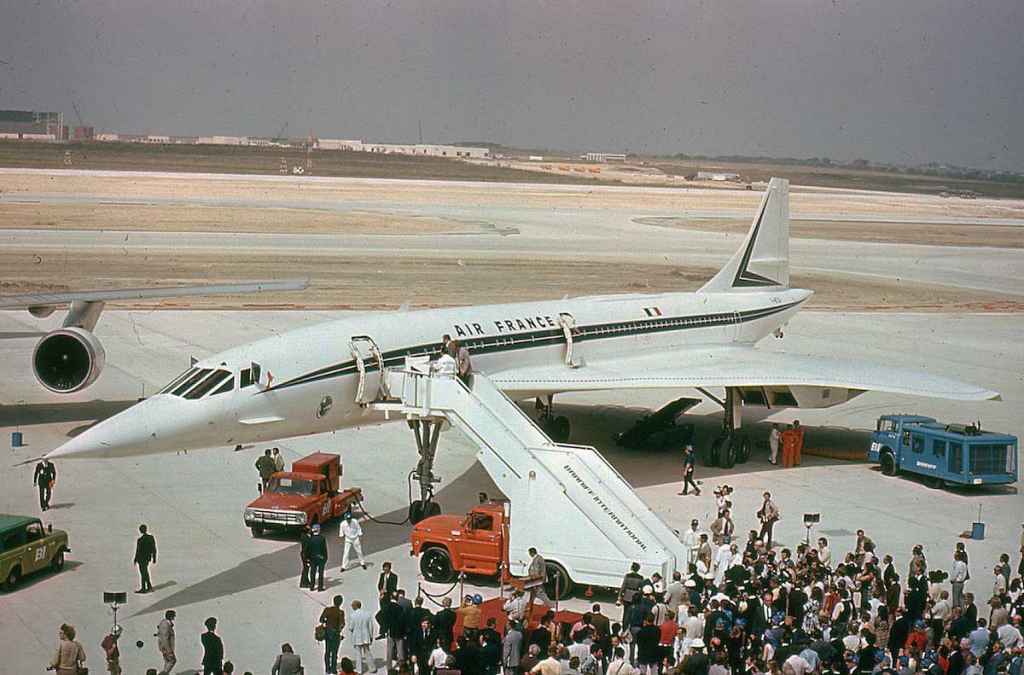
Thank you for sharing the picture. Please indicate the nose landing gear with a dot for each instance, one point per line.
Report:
(427, 432)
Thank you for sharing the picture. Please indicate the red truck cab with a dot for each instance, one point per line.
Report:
(449, 544)
(306, 495)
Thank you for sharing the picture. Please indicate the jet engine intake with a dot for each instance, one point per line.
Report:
(68, 360)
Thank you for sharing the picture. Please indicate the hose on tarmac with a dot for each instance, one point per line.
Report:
(432, 596)
(362, 509)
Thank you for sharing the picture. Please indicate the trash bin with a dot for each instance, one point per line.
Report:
(978, 531)
(16, 439)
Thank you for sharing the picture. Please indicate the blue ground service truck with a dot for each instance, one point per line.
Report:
(943, 453)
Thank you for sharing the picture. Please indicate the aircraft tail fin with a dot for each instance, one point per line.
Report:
(762, 263)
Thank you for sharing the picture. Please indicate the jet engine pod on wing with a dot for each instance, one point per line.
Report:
(68, 360)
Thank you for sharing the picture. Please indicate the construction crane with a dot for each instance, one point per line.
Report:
(74, 106)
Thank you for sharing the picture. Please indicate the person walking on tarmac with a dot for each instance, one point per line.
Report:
(538, 569)
(351, 534)
(44, 477)
(316, 552)
(790, 438)
(265, 465)
(145, 553)
(774, 437)
(689, 462)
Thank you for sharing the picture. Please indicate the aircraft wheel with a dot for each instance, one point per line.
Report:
(727, 452)
(711, 452)
(436, 565)
(558, 585)
(742, 449)
(560, 428)
(417, 511)
(888, 464)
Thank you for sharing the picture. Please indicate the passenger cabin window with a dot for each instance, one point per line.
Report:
(939, 448)
(918, 445)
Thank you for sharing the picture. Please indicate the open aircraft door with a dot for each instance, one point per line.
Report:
(567, 322)
(370, 366)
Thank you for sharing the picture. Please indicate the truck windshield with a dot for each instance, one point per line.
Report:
(292, 486)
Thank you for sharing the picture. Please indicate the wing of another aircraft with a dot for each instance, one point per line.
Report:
(30, 300)
(776, 378)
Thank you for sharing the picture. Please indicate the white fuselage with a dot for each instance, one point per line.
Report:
(309, 377)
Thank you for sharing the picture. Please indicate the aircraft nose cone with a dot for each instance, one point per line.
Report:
(126, 433)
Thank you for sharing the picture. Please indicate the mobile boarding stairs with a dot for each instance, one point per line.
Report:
(565, 500)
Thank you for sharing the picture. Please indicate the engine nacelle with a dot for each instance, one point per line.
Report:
(68, 360)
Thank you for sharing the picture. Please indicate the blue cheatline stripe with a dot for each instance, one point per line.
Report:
(543, 338)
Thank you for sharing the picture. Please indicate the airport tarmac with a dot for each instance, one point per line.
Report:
(209, 564)
(484, 243)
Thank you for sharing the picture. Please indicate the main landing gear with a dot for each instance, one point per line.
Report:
(555, 426)
(427, 432)
(731, 446)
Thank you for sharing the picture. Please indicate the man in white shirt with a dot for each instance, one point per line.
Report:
(957, 577)
(691, 540)
(824, 553)
(798, 664)
(1010, 635)
(351, 534)
(773, 443)
(444, 366)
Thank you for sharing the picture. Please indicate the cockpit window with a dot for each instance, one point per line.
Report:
(178, 380)
(191, 381)
(209, 384)
(228, 385)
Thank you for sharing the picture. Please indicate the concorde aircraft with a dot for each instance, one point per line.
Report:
(317, 379)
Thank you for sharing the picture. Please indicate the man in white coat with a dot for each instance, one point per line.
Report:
(691, 540)
(360, 628)
(351, 535)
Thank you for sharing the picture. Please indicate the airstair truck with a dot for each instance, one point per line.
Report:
(564, 500)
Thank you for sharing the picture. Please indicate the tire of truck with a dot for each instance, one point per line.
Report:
(888, 462)
(436, 565)
(727, 452)
(558, 578)
(57, 563)
(13, 577)
(742, 449)
(257, 530)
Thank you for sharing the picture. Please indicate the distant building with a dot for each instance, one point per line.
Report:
(32, 125)
(84, 133)
(339, 144)
(605, 157)
(719, 176)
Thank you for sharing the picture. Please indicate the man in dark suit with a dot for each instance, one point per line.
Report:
(444, 624)
(213, 649)
(422, 639)
(145, 554)
(387, 582)
(305, 581)
(316, 551)
(43, 478)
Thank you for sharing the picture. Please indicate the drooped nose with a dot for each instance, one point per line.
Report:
(144, 428)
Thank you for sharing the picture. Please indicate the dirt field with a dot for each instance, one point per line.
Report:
(968, 234)
(386, 282)
(433, 276)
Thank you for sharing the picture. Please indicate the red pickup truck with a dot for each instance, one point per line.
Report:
(306, 495)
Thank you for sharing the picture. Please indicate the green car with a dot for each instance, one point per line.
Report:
(27, 547)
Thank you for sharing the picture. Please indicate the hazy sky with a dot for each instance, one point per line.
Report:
(904, 81)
